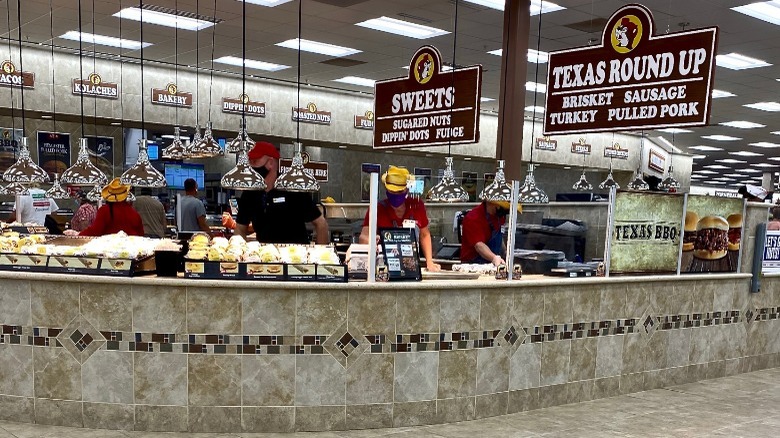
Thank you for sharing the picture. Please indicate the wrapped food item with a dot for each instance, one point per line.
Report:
(293, 254)
(199, 239)
(219, 242)
(269, 254)
(215, 255)
(323, 255)
(196, 254)
(237, 240)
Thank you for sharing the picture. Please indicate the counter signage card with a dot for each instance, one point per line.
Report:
(771, 260)
(101, 153)
(712, 234)
(429, 106)
(11, 77)
(633, 79)
(319, 169)
(647, 232)
(399, 246)
(469, 184)
(616, 151)
(366, 169)
(546, 144)
(580, 147)
(311, 114)
(366, 121)
(94, 86)
(243, 105)
(265, 271)
(301, 272)
(53, 152)
(171, 96)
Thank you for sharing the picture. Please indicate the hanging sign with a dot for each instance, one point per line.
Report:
(101, 153)
(546, 144)
(366, 121)
(633, 79)
(11, 77)
(616, 151)
(94, 86)
(171, 96)
(318, 169)
(9, 146)
(770, 264)
(243, 105)
(428, 107)
(399, 246)
(580, 147)
(53, 152)
(656, 161)
(712, 234)
(311, 114)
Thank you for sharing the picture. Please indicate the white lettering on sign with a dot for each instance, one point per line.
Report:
(95, 90)
(423, 100)
(171, 99)
(238, 107)
(308, 116)
(11, 79)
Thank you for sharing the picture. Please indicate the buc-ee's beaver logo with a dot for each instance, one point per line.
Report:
(8, 67)
(626, 33)
(423, 68)
(95, 79)
(172, 89)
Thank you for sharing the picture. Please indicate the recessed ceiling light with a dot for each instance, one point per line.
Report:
(717, 166)
(734, 175)
(764, 106)
(674, 130)
(538, 109)
(401, 27)
(707, 172)
(466, 158)
(735, 61)
(746, 154)
(486, 99)
(354, 80)
(566, 167)
(731, 161)
(716, 94)
(772, 159)
(341, 146)
(764, 165)
(750, 170)
(766, 11)
(103, 40)
(251, 63)
(269, 3)
(742, 124)
(163, 19)
(318, 47)
(537, 6)
(46, 116)
(698, 157)
(765, 144)
(535, 56)
(721, 137)
(705, 148)
(536, 87)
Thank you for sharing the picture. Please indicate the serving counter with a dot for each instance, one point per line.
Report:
(217, 356)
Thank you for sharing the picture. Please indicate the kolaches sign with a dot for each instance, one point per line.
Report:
(633, 79)
(428, 107)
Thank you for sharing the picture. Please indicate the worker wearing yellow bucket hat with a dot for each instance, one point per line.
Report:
(482, 241)
(398, 210)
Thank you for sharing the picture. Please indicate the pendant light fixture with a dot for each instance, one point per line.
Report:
(56, 191)
(142, 173)
(583, 185)
(206, 146)
(16, 189)
(242, 138)
(95, 195)
(296, 179)
(638, 183)
(448, 189)
(610, 182)
(498, 190)
(243, 176)
(24, 170)
(196, 138)
(176, 150)
(669, 184)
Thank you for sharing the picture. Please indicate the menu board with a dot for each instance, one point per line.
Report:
(402, 255)
(712, 234)
(53, 152)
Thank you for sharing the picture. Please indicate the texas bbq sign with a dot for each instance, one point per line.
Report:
(633, 79)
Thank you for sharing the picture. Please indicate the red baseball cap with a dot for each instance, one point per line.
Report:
(263, 148)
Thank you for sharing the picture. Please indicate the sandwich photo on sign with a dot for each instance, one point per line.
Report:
(712, 234)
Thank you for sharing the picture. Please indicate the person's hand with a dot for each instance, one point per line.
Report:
(71, 232)
(433, 267)
(498, 261)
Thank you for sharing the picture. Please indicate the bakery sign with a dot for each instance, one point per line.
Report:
(243, 105)
(428, 106)
(318, 169)
(366, 121)
(633, 79)
(171, 96)
(580, 147)
(11, 77)
(94, 86)
(616, 151)
(546, 144)
(311, 114)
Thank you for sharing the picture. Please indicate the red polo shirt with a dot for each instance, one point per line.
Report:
(476, 228)
(386, 217)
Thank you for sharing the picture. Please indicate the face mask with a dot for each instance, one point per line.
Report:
(502, 212)
(262, 170)
(396, 199)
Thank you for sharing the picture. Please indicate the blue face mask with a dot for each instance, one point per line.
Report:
(396, 199)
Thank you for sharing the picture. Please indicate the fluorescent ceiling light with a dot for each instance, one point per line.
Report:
(536, 87)
(766, 11)
(720, 137)
(770, 159)
(103, 40)
(401, 27)
(163, 19)
(754, 170)
(354, 80)
(251, 63)
(765, 144)
(731, 161)
(764, 106)
(669, 144)
(537, 6)
(706, 172)
(742, 124)
(698, 157)
(535, 56)
(538, 109)
(486, 99)
(675, 131)
(269, 3)
(746, 154)
(705, 148)
(318, 47)
(444, 67)
(764, 165)
(735, 61)
(720, 93)
(717, 166)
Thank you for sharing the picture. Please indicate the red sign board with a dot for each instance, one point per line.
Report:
(319, 169)
(94, 86)
(429, 106)
(633, 79)
(11, 77)
(243, 105)
(171, 96)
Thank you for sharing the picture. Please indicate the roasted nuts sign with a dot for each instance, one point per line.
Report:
(171, 96)
(429, 106)
(243, 105)
(633, 79)
(94, 86)
(11, 77)
(311, 114)
(366, 121)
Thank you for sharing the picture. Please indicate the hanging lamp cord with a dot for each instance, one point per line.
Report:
(21, 59)
(53, 93)
(536, 91)
(176, 59)
(243, 74)
(298, 78)
(197, 64)
(121, 101)
(81, 68)
(143, 86)
(13, 113)
(454, 67)
(211, 78)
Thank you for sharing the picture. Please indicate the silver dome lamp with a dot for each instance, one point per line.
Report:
(448, 189)
(498, 190)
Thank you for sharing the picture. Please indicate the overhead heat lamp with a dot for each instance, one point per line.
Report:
(582, 185)
(177, 150)
(498, 190)
(206, 146)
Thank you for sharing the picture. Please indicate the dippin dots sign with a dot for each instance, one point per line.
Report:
(633, 79)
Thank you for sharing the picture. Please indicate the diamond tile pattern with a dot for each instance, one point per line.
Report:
(512, 336)
(81, 339)
(346, 345)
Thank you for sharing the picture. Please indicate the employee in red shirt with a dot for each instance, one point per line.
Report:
(116, 214)
(401, 211)
(482, 241)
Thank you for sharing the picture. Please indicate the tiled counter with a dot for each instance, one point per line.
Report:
(208, 356)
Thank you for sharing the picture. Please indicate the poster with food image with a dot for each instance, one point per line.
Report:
(645, 232)
(470, 184)
(101, 153)
(366, 169)
(712, 234)
(422, 178)
(399, 247)
(53, 152)
(9, 146)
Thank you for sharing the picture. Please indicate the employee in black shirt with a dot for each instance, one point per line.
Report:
(276, 215)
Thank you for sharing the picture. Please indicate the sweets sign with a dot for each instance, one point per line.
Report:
(428, 107)
(633, 79)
